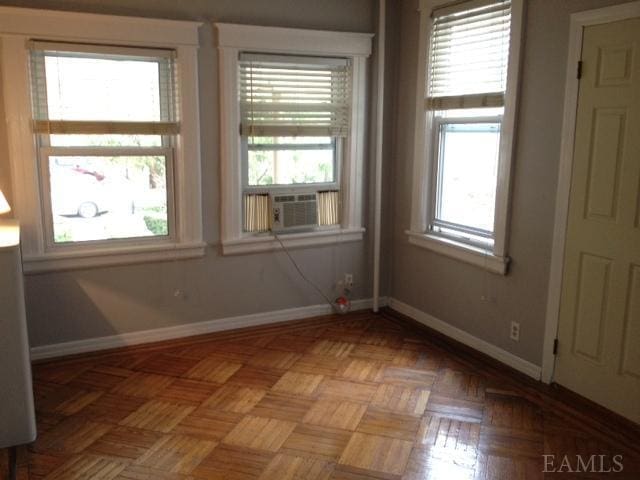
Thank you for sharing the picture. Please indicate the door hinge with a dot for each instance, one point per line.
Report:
(579, 72)
(555, 347)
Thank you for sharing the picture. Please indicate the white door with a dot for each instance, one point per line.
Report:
(599, 329)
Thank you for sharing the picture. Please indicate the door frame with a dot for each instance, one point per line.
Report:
(578, 22)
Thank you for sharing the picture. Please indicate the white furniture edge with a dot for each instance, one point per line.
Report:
(17, 25)
(112, 257)
(180, 331)
(578, 21)
(254, 244)
(460, 251)
(234, 38)
(472, 341)
(422, 167)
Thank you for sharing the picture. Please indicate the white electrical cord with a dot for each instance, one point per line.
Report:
(304, 277)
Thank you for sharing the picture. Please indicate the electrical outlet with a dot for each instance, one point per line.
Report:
(348, 280)
(514, 333)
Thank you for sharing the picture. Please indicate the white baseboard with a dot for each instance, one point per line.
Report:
(180, 331)
(466, 338)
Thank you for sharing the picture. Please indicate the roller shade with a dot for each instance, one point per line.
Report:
(294, 96)
(97, 89)
(469, 55)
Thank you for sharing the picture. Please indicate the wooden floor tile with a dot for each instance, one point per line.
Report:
(358, 392)
(362, 371)
(226, 462)
(166, 364)
(295, 383)
(128, 443)
(212, 369)
(448, 433)
(331, 348)
(317, 365)
(143, 385)
(378, 422)
(260, 433)
(77, 402)
(274, 359)
(400, 399)
(380, 454)
(335, 414)
(430, 463)
(315, 441)
(158, 416)
(188, 392)
(111, 408)
(458, 384)
(255, 377)
(101, 377)
(283, 407)
(233, 398)
(409, 376)
(292, 343)
(287, 467)
(465, 410)
(373, 352)
(208, 424)
(177, 454)
(72, 435)
(84, 467)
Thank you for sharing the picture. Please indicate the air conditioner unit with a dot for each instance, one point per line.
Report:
(294, 211)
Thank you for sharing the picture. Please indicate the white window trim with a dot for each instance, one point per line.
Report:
(233, 39)
(423, 163)
(17, 26)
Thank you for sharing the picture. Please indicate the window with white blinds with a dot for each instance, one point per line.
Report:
(94, 89)
(294, 96)
(469, 55)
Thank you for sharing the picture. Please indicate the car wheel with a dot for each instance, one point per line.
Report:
(87, 210)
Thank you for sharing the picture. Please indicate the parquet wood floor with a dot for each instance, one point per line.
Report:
(357, 397)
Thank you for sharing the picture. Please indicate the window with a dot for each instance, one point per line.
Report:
(294, 113)
(106, 125)
(104, 138)
(293, 139)
(468, 112)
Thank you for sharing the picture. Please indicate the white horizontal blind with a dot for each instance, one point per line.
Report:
(469, 55)
(294, 96)
(96, 89)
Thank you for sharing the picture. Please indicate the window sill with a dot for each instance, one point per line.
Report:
(103, 257)
(266, 243)
(460, 251)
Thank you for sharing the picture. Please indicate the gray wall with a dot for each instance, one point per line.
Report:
(105, 301)
(451, 290)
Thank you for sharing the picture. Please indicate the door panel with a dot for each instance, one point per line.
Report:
(599, 329)
(591, 306)
(631, 353)
(607, 139)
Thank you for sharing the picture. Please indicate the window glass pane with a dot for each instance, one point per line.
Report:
(105, 140)
(81, 87)
(100, 198)
(468, 168)
(288, 167)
